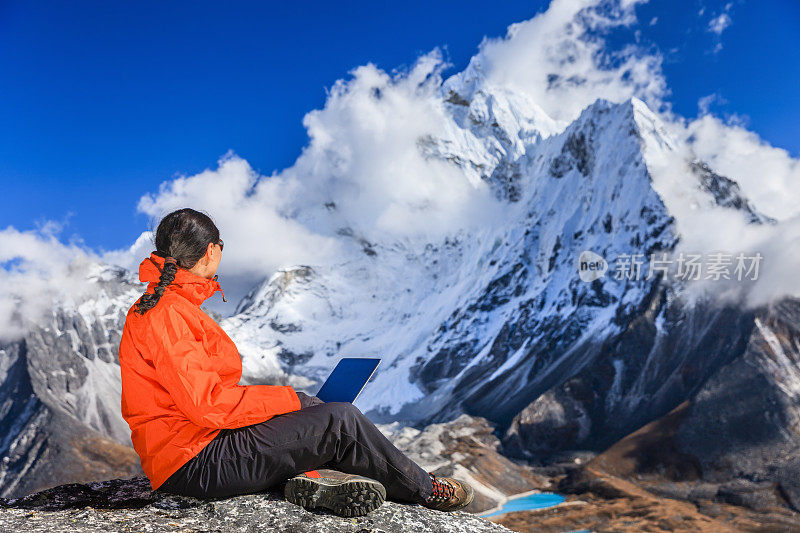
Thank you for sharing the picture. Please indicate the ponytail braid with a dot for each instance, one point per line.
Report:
(149, 300)
(185, 234)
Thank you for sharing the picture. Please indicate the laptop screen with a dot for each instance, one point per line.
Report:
(347, 379)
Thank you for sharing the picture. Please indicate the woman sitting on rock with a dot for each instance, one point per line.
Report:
(199, 433)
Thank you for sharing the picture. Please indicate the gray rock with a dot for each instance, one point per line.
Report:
(744, 421)
(130, 505)
(59, 394)
(467, 449)
(735, 440)
(665, 354)
(727, 193)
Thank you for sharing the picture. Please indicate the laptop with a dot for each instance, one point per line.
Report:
(348, 379)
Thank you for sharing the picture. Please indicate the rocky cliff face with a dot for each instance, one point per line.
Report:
(467, 448)
(744, 422)
(61, 391)
(663, 357)
(735, 439)
(130, 505)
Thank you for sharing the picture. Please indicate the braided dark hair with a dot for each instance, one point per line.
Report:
(181, 239)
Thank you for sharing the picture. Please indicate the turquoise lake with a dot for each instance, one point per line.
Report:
(526, 503)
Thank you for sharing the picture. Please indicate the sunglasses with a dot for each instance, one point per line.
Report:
(220, 245)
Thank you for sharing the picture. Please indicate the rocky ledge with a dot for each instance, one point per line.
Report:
(130, 505)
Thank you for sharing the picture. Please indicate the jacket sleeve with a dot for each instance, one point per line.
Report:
(184, 368)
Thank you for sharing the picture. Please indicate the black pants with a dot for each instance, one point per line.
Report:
(331, 435)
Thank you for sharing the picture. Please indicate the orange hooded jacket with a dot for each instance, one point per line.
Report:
(180, 374)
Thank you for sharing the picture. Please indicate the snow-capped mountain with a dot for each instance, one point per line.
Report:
(60, 393)
(502, 309)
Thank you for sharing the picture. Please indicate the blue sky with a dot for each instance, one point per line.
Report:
(100, 102)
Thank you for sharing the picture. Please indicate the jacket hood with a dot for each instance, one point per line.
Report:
(196, 289)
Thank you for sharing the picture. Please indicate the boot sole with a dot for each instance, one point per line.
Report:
(347, 498)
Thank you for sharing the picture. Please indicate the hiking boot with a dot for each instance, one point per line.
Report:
(449, 494)
(343, 494)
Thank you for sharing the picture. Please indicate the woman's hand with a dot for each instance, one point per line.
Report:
(308, 401)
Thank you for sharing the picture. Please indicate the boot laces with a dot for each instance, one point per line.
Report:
(442, 490)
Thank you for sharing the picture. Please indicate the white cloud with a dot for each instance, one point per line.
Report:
(704, 103)
(709, 229)
(718, 24)
(361, 179)
(561, 61)
(653, 21)
(768, 175)
(36, 269)
(252, 213)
